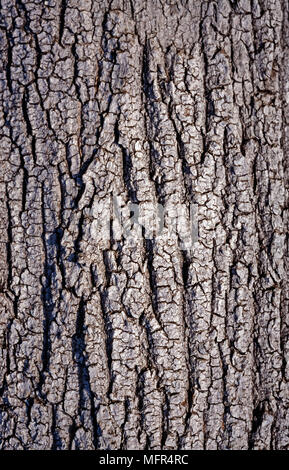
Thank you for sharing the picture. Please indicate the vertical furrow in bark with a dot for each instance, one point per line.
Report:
(281, 436)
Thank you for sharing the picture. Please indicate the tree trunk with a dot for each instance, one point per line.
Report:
(140, 342)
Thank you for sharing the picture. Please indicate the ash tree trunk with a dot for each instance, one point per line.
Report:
(108, 344)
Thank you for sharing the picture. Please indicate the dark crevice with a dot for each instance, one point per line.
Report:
(80, 357)
(62, 20)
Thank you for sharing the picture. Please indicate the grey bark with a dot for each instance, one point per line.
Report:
(113, 346)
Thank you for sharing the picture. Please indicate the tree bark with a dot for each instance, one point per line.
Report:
(111, 345)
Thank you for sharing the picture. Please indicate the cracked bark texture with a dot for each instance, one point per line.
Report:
(109, 346)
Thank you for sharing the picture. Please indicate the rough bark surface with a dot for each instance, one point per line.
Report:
(112, 346)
